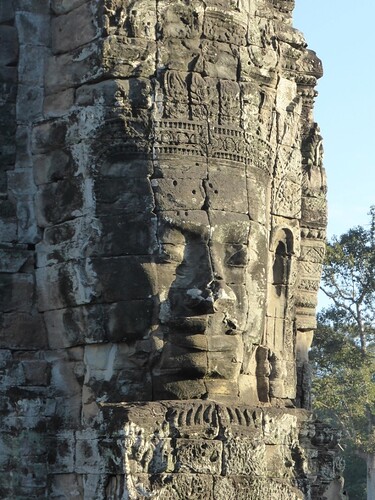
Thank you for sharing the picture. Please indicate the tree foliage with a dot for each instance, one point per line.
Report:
(343, 353)
(348, 279)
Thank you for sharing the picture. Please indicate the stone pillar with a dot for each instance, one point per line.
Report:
(163, 215)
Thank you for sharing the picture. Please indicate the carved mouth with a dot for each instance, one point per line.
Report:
(189, 325)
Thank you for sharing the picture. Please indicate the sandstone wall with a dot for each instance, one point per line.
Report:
(162, 215)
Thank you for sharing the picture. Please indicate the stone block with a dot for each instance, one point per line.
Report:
(111, 452)
(174, 225)
(95, 93)
(244, 488)
(16, 292)
(244, 456)
(36, 6)
(192, 486)
(226, 190)
(29, 103)
(66, 485)
(229, 28)
(58, 201)
(127, 57)
(76, 326)
(49, 135)
(37, 372)
(314, 211)
(114, 164)
(115, 196)
(248, 387)
(218, 60)
(28, 232)
(126, 235)
(20, 182)
(13, 258)
(135, 383)
(75, 28)
(183, 22)
(95, 280)
(64, 6)
(229, 227)
(195, 362)
(32, 445)
(9, 75)
(53, 165)
(8, 230)
(64, 285)
(224, 357)
(8, 155)
(199, 456)
(125, 278)
(131, 320)
(178, 54)
(230, 260)
(87, 457)
(172, 194)
(73, 69)
(114, 57)
(68, 408)
(167, 388)
(31, 65)
(33, 28)
(259, 194)
(279, 428)
(8, 45)
(169, 167)
(241, 421)
(59, 103)
(74, 239)
(23, 150)
(6, 11)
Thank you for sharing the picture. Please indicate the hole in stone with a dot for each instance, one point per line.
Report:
(186, 213)
(175, 183)
(194, 191)
(216, 191)
(210, 185)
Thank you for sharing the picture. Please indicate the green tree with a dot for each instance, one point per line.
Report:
(344, 349)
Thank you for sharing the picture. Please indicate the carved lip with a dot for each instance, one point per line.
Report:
(192, 325)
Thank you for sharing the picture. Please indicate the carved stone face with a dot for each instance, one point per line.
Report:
(193, 265)
(198, 177)
(204, 303)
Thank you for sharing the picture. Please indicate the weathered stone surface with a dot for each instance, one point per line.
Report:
(223, 451)
(162, 221)
(33, 28)
(74, 29)
(9, 45)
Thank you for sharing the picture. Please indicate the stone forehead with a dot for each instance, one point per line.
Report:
(215, 225)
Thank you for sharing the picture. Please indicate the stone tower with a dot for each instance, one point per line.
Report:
(162, 220)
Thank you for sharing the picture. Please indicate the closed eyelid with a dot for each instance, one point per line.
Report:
(236, 257)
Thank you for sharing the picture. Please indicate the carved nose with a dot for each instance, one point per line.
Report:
(210, 299)
(221, 293)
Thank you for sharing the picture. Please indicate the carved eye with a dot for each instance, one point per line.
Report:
(236, 256)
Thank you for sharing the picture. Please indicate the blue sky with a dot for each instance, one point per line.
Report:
(342, 34)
